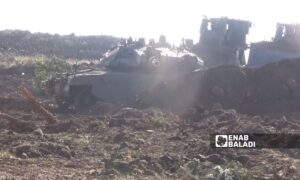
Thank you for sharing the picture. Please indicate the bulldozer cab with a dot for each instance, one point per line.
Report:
(285, 45)
(224, 32)
(223, 41)
(287, 33)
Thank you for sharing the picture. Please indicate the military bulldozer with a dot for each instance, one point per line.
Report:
(285, 45)
(126, 73)
(222, 42)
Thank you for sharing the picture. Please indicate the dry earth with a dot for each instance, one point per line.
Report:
(112, 141)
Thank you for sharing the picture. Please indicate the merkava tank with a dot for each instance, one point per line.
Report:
(285, 45)
(223, 41)
(126, 72)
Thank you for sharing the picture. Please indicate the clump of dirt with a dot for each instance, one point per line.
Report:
(21, 126)
(101, 109)
(32, 145)
(53, 148)
(27, 150)
(68, 126)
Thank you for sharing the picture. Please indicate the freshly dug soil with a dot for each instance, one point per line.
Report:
(112, 141)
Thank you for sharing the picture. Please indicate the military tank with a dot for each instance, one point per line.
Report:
(125, 73)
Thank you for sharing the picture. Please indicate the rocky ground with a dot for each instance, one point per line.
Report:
(112, 141)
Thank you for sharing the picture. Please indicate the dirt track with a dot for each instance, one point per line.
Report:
(112, 141)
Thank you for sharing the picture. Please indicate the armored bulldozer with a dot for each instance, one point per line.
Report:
(222, 41)
(126, 73)
(285, 45)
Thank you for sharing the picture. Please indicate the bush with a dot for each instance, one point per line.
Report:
(45, 67)
(234, 170)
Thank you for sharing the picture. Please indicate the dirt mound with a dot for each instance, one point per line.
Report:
(228, 85)
(226, 121)
(183, 151)
(101, 109)
(278, 81)
(27, 150)
(149, 143)
(142, 119)
(32, 145)
(273, 88)
(68, 126)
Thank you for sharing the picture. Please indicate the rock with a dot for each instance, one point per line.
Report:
(125, 144)
(23, 155)
(292, 83)
(243, 159)
(217, 107)
(215, 158)
(26, 150)
(121, 166)
(38, 132)
(22, 149)
(292, 168)
(65, 153)
(44, 151)
(35, 154)
(52, 148)
(170, 163)
(141, 141)
(258, 128)
(201, 157)
(111, 173)
(93, 172)
(217, 91)
(218, 169)
(150, 131)
(142, 161)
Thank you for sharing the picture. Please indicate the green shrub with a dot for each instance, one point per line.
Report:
(238, 171)
(44, 67)
(234, 170)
